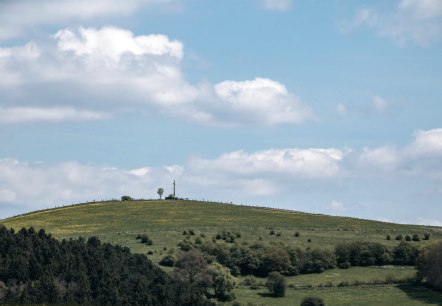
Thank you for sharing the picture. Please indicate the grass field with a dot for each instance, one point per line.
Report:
(388, 295)
(164, 222)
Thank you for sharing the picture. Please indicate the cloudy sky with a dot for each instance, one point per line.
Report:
(321, 106)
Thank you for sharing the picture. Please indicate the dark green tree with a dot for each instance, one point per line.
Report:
(429, 265)
(276, 284)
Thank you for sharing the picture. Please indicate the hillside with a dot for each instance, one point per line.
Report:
(164, 221)
(167, 223)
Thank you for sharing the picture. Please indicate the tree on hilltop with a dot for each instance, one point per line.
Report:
(160, 192)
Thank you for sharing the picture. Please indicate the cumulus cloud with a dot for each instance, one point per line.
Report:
(267, 101)
(110, 44)
(277, 5)
(18, 16)
(416, 21)
(112, 69)
(381, 158)
(427, 143)
(301, 163)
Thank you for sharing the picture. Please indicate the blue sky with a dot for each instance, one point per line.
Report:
(320, 106)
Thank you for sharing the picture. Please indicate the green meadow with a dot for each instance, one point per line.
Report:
(164, 222)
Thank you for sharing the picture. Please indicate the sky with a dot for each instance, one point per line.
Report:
(329, 107)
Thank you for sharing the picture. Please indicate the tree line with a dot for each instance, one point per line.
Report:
(259, 259)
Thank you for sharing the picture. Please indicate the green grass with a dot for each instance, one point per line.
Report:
(164, 221)
(388, 295)
(354, 275)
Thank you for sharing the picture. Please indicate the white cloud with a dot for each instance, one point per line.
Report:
(342, 110)
(427, 143)
(19, 16)
(381, 158)
(431, 222)
(337, 206)
(54, 114)
(112, 69)
(263, 100)
(301, 163)
(416, 21)
(366, 16)
(277, 5)
(40, 185)
(379, 104)
(111, 44)
(422, 9)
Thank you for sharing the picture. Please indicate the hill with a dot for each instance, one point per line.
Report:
(167, 223)
(120, 221)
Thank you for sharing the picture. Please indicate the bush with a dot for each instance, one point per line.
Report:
(145, 239)
(416, 237)
(126, 198)
(429, 265)
(297, 234)
(167, 261)
(399, 237)
(276, 284)
(427, 236)
(312, 301)
(388, 237)
(223, 282)
(408, 238)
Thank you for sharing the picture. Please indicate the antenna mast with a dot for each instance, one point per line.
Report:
(174, 188)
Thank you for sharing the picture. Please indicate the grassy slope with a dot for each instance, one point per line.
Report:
(164, 221)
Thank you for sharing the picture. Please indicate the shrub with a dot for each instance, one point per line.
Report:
(429, 265)
(312, 301)
(399, 237)
(185, 246)
(126, 198)
(408, 238)
(191, 232)
(272, 232)
(416, 237)
(167, 261)
(309, 240)
(223, 282)
(427, 236)
(276, 284)
(388, 237)
(145, 239)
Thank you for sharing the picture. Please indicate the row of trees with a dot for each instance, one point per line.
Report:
(260, 259)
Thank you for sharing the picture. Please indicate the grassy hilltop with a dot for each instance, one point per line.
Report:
(165, 221)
